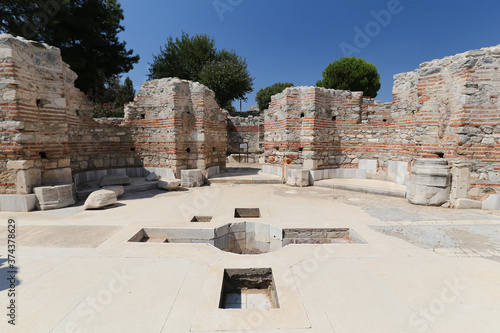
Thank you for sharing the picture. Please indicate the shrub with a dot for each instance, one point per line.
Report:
(109, 110)
(351, 73)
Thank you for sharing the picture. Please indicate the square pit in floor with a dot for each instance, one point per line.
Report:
(249, 288)
(246, 212)
(201, 219)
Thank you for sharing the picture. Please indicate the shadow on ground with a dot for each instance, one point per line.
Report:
(148, 194)
(241, 171)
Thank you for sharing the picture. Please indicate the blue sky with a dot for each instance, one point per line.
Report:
(294, 40)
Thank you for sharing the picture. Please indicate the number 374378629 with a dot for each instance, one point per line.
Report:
(11, 243)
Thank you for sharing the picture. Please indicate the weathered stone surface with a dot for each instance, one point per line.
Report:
(20, 164)
(114, 179)
(467, 204)
(434, 113)
(297, 177)
(273, 169)
(428, 195)
(64, 135)
(53, 197)
(243, 158)
(169, 184)
(446, 205)
(41, 84)
(17, 203)
(119, 190)
(245, 127)
(212, 171)
(430, 182)
(56, 176)
(397, 172)
(492, 202)
(310, 164)
(192, 178)
(100, 199)
(202, 127)
(474, 192)
(339, 129)
(64, 163)
(369, 165)
(152, 177)
(460, 182)
(27, 180)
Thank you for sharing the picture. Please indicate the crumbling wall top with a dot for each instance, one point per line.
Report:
(170, 97)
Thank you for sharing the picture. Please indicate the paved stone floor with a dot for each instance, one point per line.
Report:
(245, 174)
(422, 269)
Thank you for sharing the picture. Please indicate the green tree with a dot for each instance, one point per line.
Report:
(183, 57)
(126, 91)
(351, 73)
(86, 31)
(264, 95)
(118, 92)
(228, 77)
(197, 59)
(116, 95)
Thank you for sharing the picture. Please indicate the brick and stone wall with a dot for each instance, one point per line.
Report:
(245, 127)
(447, 108)
(49, 135)
(101, 144)
(37, 103)
(458, 116)
(305, 124)
(177, 124)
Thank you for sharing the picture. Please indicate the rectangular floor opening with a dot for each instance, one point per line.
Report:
(250, 288)
(247, 212)
(148, 236)
(248, 237)
(147, 239)
(201, 219)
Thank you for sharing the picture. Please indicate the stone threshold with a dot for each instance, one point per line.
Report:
(136, 185)
(365, 186)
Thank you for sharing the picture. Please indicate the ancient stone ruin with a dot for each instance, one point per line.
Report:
(177, 124)
(447, 109)
(49, 136)
(245, 128)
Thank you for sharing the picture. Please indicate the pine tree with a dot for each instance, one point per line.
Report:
(86, 31)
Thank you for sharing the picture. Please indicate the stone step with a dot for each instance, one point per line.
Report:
(136, 185)
(242, 180)
(365, 185)
(245, 175)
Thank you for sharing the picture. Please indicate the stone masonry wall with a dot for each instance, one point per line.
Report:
(245, 127)
(457, 115)
(48, 133)
(47, 128)
(37, 99)
(177, 124)
(303, 122)
(101, 144)
(447, 108)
